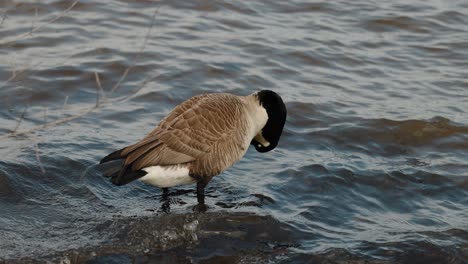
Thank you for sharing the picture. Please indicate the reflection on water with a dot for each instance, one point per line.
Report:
(371, 166)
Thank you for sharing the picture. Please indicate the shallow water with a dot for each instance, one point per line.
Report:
(372, 166)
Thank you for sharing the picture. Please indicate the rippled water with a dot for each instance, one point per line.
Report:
(372, 166)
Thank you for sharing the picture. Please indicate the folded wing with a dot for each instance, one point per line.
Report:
(191, 133)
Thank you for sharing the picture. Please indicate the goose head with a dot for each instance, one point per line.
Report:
(268, 137)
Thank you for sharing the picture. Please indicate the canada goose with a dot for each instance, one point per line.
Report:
(200, 138)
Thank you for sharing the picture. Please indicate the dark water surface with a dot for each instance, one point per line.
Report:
(372, 167)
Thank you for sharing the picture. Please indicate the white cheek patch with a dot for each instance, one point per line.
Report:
(259, 137)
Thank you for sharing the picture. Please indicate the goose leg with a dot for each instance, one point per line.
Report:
(201, 192)
(166, 204)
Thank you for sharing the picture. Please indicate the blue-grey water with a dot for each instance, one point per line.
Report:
(372, 166)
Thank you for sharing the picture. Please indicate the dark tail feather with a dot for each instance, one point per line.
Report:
(113, 156)
(113, 170)
(128, 177)
(123, 175)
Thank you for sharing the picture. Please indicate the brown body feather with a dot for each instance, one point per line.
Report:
(208, 133)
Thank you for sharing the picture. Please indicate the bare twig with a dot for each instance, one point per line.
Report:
(99, 103)
(84, 112)
(21, 36)
(13, 74)
(65, 102)
(128, 96)
(16, 73)
(97, 98)
(38, 158)
(98, 81)
(46, 109)
(135, 59)
(49, 124)
(34, 20)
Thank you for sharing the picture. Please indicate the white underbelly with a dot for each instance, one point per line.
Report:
(167, 176)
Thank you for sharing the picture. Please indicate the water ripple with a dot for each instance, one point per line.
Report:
(371, 166)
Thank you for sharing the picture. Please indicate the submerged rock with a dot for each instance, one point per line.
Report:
(190, 236)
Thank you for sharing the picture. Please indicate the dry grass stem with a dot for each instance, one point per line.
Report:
(97, 98)
(98, 81)
(20, 120)
(49, 124)
(38, 158)
(130, 95)
(18, 73)
(65, 102)
(34, 20)
(46, 109)
(15, 73)
(12, 76)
